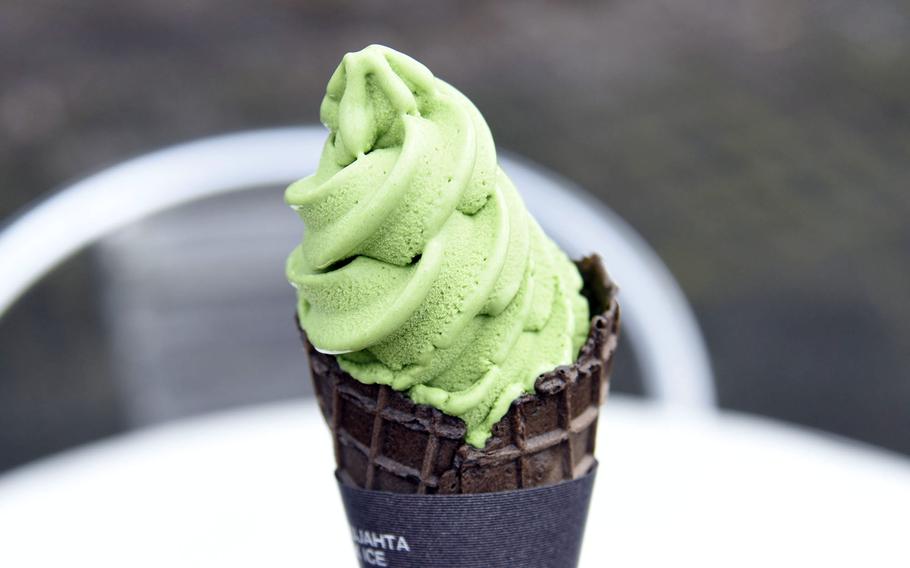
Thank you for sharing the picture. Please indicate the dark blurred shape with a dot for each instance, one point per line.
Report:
(56, 388)
(763, 147)
(198, 311)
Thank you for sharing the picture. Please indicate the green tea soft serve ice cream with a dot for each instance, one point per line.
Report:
(420, 267)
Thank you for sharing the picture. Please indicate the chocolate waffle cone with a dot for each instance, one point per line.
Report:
(383, 441)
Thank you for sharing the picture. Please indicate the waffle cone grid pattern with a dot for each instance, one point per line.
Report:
(383, 441)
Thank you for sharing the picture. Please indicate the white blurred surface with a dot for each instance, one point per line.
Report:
(237, 489)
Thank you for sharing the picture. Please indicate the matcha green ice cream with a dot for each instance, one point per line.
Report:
(420, 267)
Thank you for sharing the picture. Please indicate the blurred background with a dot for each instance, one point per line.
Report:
(761, 147)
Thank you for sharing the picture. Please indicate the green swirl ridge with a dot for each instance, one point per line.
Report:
(420, 267)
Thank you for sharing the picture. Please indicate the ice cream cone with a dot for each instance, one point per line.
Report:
(452, 344)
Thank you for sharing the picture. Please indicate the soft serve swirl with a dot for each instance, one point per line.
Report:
(420, 267)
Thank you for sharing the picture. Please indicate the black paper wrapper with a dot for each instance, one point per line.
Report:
(541, 527)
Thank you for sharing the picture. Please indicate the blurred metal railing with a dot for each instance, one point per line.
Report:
(658, 321)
